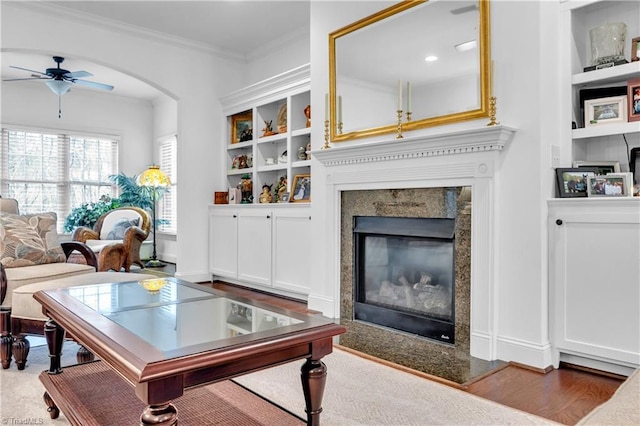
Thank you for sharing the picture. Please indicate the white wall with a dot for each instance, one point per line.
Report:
(525, 92)
(32, 27)
(278, 57)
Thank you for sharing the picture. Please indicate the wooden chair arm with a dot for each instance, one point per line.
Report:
(132, 234)
(3, 284)
(83, 234)
(90, 257)
(112, 257)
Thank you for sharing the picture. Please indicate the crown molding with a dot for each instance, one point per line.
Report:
(117, 26)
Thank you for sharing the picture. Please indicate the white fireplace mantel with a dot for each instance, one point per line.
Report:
(458, 158)
(481, 139)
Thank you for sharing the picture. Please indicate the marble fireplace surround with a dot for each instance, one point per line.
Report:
(464, 158)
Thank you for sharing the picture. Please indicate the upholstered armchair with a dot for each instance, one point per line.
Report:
(116, 237)
(30, 253)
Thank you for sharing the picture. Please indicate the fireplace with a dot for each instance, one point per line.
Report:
(404, 274)
(392, 177)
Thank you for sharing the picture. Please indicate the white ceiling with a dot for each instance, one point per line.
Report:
(233, 28)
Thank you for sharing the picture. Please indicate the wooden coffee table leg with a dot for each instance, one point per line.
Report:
(53, 410)
(55, 338)
(314, 377)
(159, 414)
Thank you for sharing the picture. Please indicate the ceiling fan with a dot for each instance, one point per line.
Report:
(60, 80)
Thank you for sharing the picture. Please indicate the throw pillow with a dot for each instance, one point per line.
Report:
(118, 230)
(30, 239)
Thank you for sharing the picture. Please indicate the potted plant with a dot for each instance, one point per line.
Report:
(131, 194)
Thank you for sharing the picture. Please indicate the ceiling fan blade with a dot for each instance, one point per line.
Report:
(28, 78)
(93, 84)
(78, 74)
(26, 69)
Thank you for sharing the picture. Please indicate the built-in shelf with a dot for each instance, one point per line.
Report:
(607, 75)
(606, 130)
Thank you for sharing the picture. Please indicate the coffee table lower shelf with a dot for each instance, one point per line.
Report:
(93, 394)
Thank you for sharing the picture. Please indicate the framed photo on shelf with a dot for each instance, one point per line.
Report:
(633, 95)
(635, 49)
(284, 197)
(301, 189)
(611, 185)
(242, 127)
(572, 182)
(605, 111)
(604, 167)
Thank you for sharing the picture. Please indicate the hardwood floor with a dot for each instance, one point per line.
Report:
(564, 395)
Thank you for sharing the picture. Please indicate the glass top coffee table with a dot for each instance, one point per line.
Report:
(167, 335)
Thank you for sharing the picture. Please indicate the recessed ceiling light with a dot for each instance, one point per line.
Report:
(431, 58)
(467, 45)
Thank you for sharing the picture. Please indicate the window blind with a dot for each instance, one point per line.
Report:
(167, 209)
(46, 171)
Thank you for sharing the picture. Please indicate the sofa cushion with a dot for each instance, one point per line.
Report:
(30, 239)
(18, 277)
(98, 245)
(118, 230)
(115, 216)
(26, 307)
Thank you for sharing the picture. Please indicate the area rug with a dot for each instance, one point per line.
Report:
(21, 398)
(358, 392)
(363, 392)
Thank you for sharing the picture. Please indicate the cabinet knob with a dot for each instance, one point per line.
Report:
(235, 215)
(558, 221)
(268, 217)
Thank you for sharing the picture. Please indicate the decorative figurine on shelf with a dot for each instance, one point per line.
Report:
(239, 162)
(281, 187)
(268, 129)
(307, 113)
(282, 119)
(283, 157)
(309, 150)
(302, 153)
(266, 196)
(246, 188)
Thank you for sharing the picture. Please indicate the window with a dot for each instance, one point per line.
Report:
(168, 205)
(56, 172)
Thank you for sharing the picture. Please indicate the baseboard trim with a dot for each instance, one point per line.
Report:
(535, 355)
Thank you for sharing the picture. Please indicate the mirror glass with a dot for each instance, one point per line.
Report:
(430, 58)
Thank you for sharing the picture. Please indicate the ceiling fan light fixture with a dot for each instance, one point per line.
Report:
(59, 87)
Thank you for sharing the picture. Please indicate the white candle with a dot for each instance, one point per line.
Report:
(326, 107)
(399, 95)
(339, 109)
(408, 96)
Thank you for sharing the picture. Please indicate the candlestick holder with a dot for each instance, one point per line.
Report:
(326, 135)
(399, 128)
(339, 127)
(408, 116)
(492, 112)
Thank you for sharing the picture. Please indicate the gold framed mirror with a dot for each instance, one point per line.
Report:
(428, 58)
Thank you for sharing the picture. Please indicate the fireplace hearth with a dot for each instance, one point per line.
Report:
(404, 274)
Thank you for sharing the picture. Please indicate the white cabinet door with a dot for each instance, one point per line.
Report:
(595, 279)
(291, 263)
(223, 242)
(254, 246)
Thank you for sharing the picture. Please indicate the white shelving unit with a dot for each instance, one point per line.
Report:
(265, 245)
(605, 142)
(265, 101)
(594, 317)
